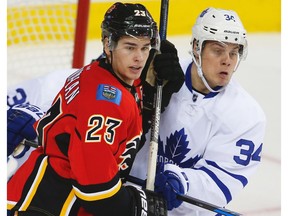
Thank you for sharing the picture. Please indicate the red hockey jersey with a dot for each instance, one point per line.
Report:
(89, 139)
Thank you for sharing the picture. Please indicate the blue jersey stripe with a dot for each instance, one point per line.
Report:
(240, 178)
(219, 183)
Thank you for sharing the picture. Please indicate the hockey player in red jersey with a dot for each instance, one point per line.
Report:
(91, 133)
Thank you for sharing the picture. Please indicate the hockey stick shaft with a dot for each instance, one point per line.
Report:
(30, 143)
(153, 148)
(163, 19)
(207, 205)
(191, 200)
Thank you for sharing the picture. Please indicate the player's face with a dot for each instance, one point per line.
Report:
(129, 57)
(219, 61)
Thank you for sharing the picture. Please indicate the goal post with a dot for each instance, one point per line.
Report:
(45, 35)
(81, 33)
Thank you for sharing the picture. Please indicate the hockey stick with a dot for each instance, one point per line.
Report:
(153, 148)
(206, 205)
(30, 143)
(191, 200)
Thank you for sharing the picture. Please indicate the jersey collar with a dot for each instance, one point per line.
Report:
(188, 82)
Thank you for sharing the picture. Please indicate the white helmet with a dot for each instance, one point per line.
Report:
(218, 25)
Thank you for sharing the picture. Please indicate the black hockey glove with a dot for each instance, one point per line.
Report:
(147, 202)
(167, 65)
(164, 66)
(168, 68)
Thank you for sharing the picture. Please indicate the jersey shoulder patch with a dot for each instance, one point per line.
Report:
(109, 93)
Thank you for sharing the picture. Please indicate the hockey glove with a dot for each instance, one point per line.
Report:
(170, 180)
(165, 67)
(166, 64)
(147, 202)
(148, 81)
(20, 120)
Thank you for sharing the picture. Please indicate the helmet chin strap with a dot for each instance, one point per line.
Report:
(201, 75)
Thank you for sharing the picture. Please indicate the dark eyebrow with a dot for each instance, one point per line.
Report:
(130, 43)
(147, 44)
(237, 46)
(216, 43)
(135, 44)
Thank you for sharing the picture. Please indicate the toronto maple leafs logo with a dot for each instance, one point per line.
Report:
(175, 150)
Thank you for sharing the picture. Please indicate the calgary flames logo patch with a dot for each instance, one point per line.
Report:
(109, 93)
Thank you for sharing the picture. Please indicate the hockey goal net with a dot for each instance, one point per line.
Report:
(42, 35)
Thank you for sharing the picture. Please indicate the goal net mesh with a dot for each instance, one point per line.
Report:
(40, 35)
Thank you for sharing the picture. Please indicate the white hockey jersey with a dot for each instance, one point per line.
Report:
(216, 138)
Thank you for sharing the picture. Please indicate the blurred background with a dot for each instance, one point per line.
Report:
(256, 15)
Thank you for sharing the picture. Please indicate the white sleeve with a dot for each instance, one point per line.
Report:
(39, 91)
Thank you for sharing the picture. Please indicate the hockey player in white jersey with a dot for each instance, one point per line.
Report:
(211, 133)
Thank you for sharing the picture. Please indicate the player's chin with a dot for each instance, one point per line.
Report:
(131, 78)
(134, 76)
(222, 81)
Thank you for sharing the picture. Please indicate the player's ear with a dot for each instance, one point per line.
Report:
(195, 49)
(106, 48)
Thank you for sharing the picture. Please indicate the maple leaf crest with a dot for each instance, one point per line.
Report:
(176, 149)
